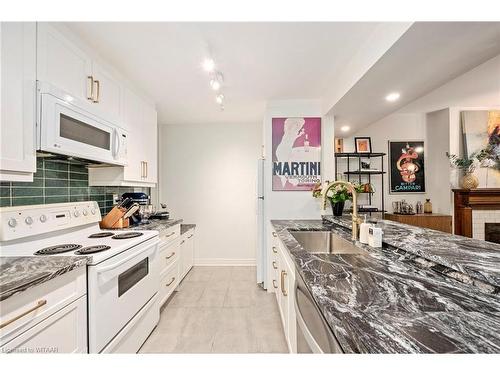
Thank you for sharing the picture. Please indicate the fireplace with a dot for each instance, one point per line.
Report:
(473, 209)
(492, 232)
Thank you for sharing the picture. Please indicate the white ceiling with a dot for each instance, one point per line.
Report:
(260, 62)
(424, 58)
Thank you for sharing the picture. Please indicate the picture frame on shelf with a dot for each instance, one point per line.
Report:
(363, 145)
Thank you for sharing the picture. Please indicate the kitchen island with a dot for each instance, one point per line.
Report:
(392, 300)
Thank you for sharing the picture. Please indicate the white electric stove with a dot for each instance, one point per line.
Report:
(122, 268)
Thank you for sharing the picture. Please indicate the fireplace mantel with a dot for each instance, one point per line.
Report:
(475, 199)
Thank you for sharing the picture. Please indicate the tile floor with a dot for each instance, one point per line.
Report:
(219, 310)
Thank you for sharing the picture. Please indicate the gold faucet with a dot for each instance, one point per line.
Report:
(355, 219)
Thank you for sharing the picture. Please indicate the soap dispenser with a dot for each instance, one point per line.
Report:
(363, 231)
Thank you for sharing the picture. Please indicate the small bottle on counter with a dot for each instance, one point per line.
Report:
(363, 231)
(419, 208)
(375, 237)
(427, 207)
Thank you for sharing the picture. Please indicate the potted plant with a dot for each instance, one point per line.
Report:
(468, 165)
(339, 194)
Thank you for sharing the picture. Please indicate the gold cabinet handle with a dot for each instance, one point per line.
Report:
(183, 241)
(90, 88)
(146, 169)
(38, 305)
(170, 256)
(275, 250)
(275, 284)
(97, 91)
(283, 291)
(190, 236)
(274, 234)
(274, 265)
(171, 234)
(171, 281)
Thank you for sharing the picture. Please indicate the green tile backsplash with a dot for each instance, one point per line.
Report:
(58, 181)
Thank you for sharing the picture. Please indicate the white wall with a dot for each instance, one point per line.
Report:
(479, 88)
(208, 177)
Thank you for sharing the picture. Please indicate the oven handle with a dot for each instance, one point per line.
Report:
(123, 261)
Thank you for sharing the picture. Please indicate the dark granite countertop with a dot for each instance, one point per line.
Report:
(187, 227)
(391, 301)
(475, 258)
(18, 274)
(156, 224)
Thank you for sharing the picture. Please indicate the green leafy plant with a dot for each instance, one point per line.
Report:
(469, 164)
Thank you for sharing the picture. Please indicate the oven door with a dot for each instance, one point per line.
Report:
(67, 129)
(118, 288)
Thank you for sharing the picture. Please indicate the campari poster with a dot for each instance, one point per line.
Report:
(407, 168)
(296, 153)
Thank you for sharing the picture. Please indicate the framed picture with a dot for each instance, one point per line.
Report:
(296, 143)
(406, 167)
(363, 145)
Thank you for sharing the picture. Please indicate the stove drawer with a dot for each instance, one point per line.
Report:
(168, 283)
(21, 312)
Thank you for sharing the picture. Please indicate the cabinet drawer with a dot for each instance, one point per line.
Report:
(169, 254)
(170, 234)
(63, 332)
(168, 282)
(32, 306)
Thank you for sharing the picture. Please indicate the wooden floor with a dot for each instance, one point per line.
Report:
(219, 310)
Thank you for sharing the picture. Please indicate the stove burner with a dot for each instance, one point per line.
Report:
(92, 249)
(58, 249)
(101, 234)
(124, 236)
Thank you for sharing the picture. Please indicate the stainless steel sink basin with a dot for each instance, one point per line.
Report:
(325, 242)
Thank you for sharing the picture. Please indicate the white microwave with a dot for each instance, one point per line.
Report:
(72, 127)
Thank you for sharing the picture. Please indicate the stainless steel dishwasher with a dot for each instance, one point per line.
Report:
(313, 333)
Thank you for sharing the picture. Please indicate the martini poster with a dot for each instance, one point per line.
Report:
(296, 143)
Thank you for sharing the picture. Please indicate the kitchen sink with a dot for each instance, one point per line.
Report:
(325, 242)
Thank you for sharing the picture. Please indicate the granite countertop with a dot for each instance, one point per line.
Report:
(156, 224)
(18, 274)
(477, 259)
(392, 301)
(187, 227)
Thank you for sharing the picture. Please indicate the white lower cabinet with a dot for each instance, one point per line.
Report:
(49, 318)
(187, 252)
(282, 275)
(170, 250)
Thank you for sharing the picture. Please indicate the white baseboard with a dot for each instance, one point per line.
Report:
(224, 262)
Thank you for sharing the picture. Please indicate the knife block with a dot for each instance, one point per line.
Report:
(113, 219)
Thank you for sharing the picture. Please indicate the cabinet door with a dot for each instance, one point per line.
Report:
(108, 91)
(18, 100)
(61, 63)
(132, 117)
(150, 144)
(63, 332)
(190, 252)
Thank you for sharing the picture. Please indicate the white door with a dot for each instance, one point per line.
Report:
(108, 91)
(61, 63)
(132, 117)
(18, 100)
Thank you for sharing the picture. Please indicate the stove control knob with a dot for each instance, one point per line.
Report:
(85, 212)
(28, 220)
(92, 211)
(43, 218)
(12, 222)
(76, 213)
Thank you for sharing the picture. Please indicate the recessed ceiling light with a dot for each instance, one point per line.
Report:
(219, 98)
(215, 84)
(392, 97)
(345, 128)
(208, 65)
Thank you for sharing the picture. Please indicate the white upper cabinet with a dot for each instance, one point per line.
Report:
(107, 89)
(18, 101)
(132, 117)
(151, 144)
(63, 64)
